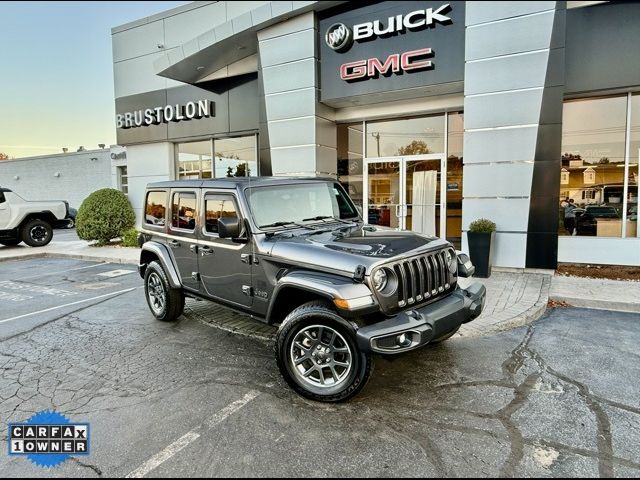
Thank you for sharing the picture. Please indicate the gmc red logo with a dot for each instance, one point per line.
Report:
(395, 63)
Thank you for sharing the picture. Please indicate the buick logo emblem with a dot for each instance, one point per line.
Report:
(339, 37)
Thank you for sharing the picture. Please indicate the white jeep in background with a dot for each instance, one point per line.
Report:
(29, 222)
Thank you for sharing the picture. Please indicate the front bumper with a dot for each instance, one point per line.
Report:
(421, 325)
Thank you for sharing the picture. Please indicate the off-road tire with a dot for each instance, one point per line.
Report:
(156, 279)
(319, 313)
(36, 233)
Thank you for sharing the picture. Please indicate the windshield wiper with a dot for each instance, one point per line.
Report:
(284, 224)
(326, 217)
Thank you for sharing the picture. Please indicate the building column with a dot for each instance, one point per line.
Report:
(301, 131)
(514, 85)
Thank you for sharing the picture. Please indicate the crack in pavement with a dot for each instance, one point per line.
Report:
(87, 465)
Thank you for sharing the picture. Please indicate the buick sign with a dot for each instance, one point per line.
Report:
(340, 37)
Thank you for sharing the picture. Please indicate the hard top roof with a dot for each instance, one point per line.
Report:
(235, 182)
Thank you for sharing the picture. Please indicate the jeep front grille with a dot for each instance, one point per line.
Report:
(422, 278)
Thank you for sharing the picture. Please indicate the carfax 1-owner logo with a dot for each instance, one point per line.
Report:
(48, 438)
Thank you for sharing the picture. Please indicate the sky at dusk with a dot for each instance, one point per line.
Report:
(56, 73)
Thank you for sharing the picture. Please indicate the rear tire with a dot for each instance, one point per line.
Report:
(165, 303)
(318, 355)
(36, 233)
(10, 242)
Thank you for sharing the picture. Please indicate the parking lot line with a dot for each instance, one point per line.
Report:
(189, 437)
(65, 271)
(69, 304)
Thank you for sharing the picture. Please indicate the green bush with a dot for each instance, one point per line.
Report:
(130, 238)
(105, 214)
(482, 225)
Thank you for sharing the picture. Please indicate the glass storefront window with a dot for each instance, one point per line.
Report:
(194, 160)
(408, 136)
(235, 157)
(593, 165)
(350, 159)
(455, 141)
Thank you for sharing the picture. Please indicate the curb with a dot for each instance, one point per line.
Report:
(26, 256)
(598, 304)
(75, 256)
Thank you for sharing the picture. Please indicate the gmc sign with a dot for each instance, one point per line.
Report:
(395, 63)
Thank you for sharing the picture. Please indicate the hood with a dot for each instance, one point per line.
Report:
(347, 247)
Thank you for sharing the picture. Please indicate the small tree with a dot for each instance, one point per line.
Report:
(416, 147)
(4, 156)
(105, 214)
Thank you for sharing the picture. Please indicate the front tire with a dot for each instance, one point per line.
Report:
(37, 233)
(318, 356)
(165, 303)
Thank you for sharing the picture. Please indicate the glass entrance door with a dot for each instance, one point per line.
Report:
(422, 198)
(405, 193)
(383, 193)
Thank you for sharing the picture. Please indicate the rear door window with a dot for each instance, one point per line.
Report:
(183, 210)
(156, 209)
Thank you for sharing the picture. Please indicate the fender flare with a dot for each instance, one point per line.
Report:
(322, 284)
(165, 259)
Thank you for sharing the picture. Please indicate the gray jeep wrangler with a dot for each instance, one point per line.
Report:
(295, 252)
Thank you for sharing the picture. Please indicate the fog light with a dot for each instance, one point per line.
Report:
(404, 339)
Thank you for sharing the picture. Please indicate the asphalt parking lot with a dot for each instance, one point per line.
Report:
(559, 398)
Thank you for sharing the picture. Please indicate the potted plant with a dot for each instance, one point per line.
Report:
(480, 236)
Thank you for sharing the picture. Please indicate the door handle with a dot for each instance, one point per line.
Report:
(194, 248)
(206, 251)
(398, 215)
(174, 243)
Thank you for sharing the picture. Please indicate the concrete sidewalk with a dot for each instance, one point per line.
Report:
(513, 299)
(623, 296)
(72, 248)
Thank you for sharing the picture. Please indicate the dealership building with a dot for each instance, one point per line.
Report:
(431, 114)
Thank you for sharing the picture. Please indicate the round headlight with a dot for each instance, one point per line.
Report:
(379, 279)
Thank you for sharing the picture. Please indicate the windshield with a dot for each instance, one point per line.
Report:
(281, 204)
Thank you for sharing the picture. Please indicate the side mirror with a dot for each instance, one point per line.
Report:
(465, 267)
(229, 227)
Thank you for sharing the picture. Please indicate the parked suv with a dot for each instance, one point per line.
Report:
(295, 252)
(29, 222)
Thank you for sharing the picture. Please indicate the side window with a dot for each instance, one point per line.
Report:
(183, 214)
(156, 208)
(218, 206)
(2, 199)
